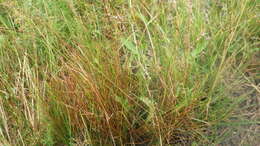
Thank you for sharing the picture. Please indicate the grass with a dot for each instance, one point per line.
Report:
(148, 72)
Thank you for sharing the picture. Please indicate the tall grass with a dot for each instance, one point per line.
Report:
(77, 72)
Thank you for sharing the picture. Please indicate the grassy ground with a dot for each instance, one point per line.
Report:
(128, 72)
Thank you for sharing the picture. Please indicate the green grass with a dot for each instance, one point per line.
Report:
(115, 72)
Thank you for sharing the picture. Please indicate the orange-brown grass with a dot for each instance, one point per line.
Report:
(104, 97)
(150, 72)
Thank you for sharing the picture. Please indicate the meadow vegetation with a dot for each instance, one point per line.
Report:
(127, 72)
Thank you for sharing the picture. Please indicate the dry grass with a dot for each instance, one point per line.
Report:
(76, 72)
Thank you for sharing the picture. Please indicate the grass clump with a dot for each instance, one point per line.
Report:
(77, 72)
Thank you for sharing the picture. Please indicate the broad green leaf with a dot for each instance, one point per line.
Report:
(1, 40)
(130, 46)
(199, 48)
(151, 105)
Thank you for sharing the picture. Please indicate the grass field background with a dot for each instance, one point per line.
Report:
(129, 72)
